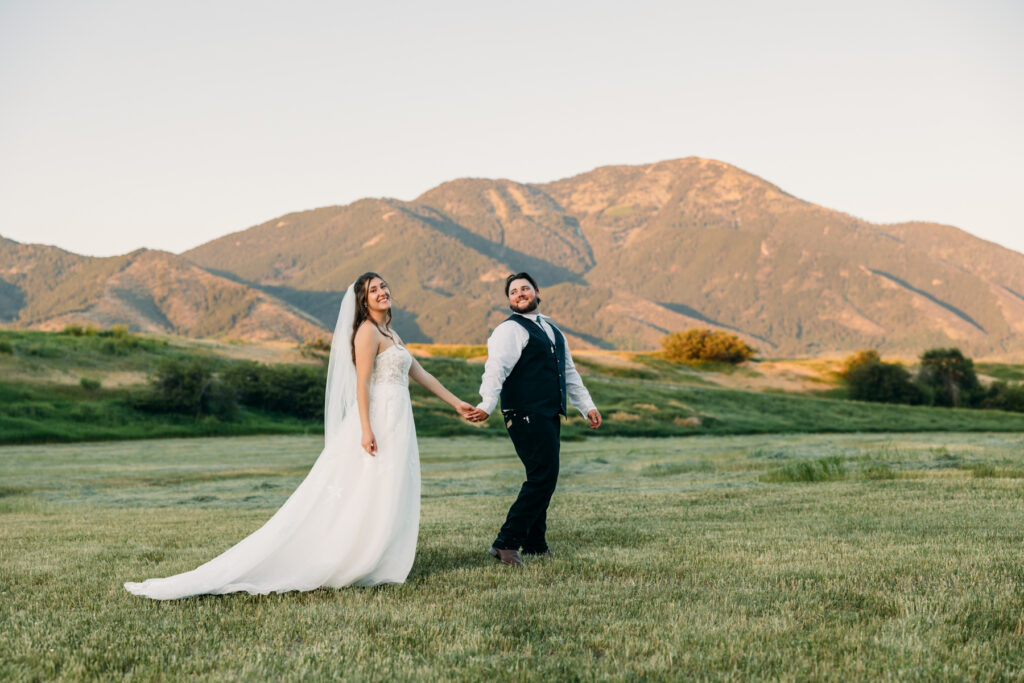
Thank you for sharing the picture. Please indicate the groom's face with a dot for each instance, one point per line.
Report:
(522, 297)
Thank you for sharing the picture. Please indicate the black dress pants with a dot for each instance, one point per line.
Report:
(536, 440)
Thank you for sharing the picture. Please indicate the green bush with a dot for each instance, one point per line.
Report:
(1004, 396)
(318, 348)
(883, 383)
(118, 341)
(43, 349)
(831, 468)
(89, 384)
(6, 346)
(296, 390)
(703, 345)
(188, 387)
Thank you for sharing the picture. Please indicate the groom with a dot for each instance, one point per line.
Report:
(529, 366)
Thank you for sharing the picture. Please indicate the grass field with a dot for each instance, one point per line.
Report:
(845, 556)
(42, 400)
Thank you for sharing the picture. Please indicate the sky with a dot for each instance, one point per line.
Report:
(167, 124)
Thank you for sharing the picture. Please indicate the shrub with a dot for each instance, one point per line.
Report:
(831, 468)
(318, 348)
(89, 384)
(119, 332)
(188, 387)
(118, 341)
(6, 346)
(1003, 396)
(289, 389)
(42, 349)
(73, 330)
(950, 376)
(883, 383)
(318, 344)
(702, 345)
(854, 361)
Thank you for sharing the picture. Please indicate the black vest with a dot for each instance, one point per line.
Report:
(537, 382)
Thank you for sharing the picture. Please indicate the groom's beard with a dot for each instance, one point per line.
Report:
(529, 307)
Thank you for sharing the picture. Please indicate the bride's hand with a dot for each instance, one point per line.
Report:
(369, 443)
(464, 409)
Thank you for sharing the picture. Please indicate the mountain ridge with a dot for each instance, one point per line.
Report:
(623, 254)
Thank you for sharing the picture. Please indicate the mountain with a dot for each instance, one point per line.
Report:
(151, 291)
(624, 254)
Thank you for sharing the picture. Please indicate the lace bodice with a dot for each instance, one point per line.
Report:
(392, 366)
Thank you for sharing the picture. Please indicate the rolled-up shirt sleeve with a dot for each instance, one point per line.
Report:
(577, 393)
(504, 347)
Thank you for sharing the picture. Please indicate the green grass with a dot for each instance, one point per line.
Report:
(1001, 371)
(676, 558)
(33, 413)
(658, 399)
(45, 353)
(638, 407)
(37, 412)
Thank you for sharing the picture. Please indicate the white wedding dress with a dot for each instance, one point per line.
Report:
(354, 519)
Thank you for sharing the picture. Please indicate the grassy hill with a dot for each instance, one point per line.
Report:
(60, 387)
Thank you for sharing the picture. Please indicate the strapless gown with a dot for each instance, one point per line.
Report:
(353, 521)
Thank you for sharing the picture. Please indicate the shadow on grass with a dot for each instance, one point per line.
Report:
(440, 560)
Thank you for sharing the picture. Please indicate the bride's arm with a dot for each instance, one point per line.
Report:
(431, 384)
(366, 343)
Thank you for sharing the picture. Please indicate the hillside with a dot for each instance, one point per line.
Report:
(150, 291)
(81, 387)
(624, 254)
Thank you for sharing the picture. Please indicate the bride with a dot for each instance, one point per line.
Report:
(353, 521)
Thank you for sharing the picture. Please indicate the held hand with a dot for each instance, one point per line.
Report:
(369, 442)
(465, 410)
(477, 415)
(595, 418)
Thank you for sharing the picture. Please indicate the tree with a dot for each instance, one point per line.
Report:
(951, 377)
(883, 383)
(700, 344)
(853, 361)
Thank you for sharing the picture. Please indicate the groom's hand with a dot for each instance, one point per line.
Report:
(477, 415)
(595, 418)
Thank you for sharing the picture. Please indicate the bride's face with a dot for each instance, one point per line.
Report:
(378, 296)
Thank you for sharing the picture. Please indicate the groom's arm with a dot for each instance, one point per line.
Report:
(574, 389)
(504, 347)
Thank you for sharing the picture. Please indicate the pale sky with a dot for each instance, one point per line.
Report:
(167, 124)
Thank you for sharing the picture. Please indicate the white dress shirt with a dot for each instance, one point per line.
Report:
(505, 346)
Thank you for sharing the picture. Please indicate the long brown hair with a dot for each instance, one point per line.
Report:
(363, 309)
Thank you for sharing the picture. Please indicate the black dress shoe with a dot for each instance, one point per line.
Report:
(509, 557)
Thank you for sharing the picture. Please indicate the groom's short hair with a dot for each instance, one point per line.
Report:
(519, 276)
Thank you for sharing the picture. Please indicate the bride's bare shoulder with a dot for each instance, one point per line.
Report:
(367, 333)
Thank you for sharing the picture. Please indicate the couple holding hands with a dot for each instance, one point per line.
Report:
(354, 519)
